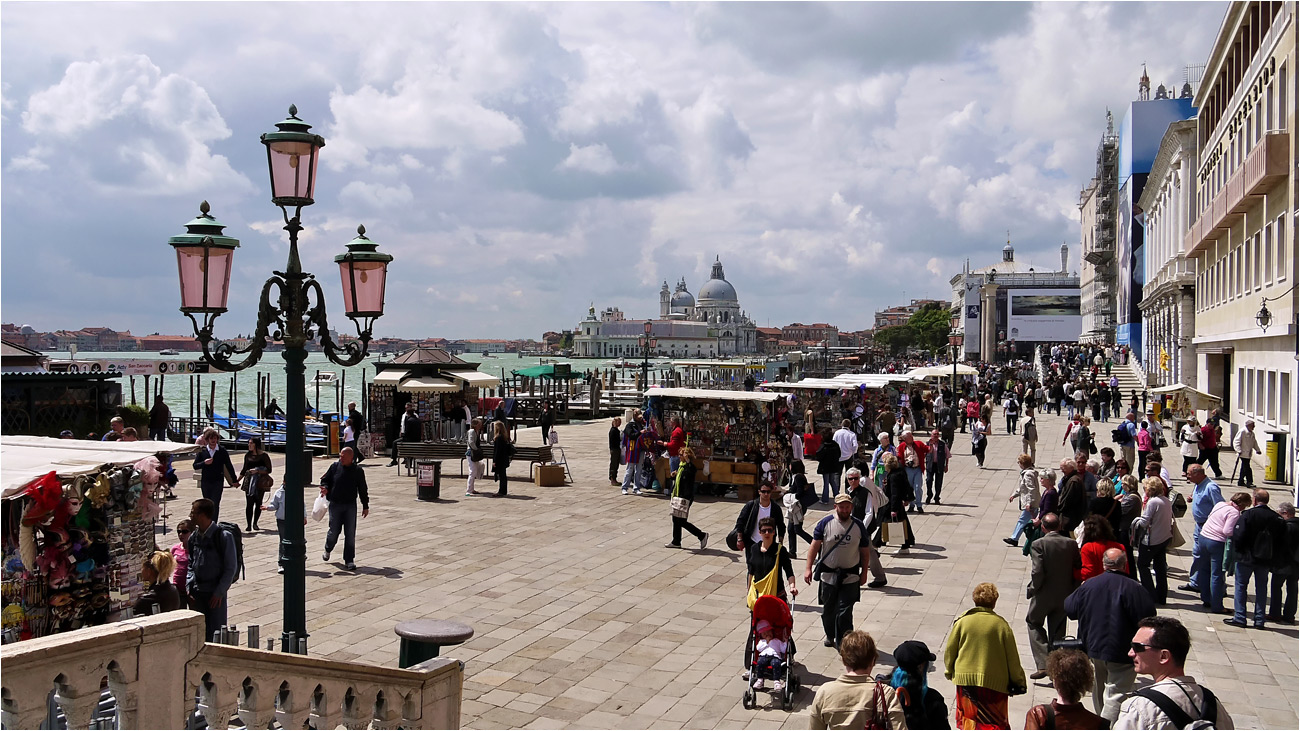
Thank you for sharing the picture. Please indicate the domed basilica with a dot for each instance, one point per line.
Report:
(710, 326)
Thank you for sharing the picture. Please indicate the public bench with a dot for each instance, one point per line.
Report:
(456, 451)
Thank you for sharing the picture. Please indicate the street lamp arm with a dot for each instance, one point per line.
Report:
(219, 353)
(347, 354)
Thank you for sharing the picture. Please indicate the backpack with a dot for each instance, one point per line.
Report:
(1121, 435)
(1176, 715)
(1030, 432)
(233, 532)
(1261, 550)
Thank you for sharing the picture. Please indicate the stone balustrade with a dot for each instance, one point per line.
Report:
(160, 670)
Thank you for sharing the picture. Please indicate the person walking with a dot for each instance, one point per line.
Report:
(1071, 500)
(1054, 565)
(898, 493)
(1246, 445)
(502, 452)
(159, 417)
(1259, 541)
(1011, 410)
(1027, 497)
(913, 455)
(768, 567)
(1109, 608)
(1072, 677)
(1029, 435)
(838, 553)
(676, 440)
(828, 465)
(1285, 569)
(981, 660)
(755, 510)
(615, 450)
(682, 496)
(848, 444)
(801, 496)
(979, 440)
(1209, 446)
(474, 455)
(546, 421)
(1205, 495)
(1189, 440)
(213, 562)
(215, 469)
(632, 426)
(255, 479)
(868, 501)
(856, 699)
(937, 455)
(1215, 535)
(412, 430)
(1159, 649)
(1156, 528)
(342, 484)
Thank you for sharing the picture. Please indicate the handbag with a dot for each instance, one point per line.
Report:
(1177, 540)
(767, 585)
(879, 718)
(265, 482)
(681, 507)
(901, 527)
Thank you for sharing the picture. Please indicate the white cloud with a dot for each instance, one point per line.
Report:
(376, 196)
(595, 159)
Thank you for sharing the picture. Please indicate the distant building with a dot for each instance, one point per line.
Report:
(1008, 307)
(900, 314)
(817, 332)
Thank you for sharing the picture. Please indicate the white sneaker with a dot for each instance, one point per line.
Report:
(760, 684)
(636, 491)
(325, 556)
(778, 686)
(625, 491)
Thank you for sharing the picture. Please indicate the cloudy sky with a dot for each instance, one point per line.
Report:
(523, 160)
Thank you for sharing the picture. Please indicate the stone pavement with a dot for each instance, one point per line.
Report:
(584, 620)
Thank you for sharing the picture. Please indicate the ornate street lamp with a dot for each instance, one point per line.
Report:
(1264, 318)
(647, 344)
(294, 315)
(954, 343)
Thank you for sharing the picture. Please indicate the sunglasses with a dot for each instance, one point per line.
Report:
(183, 532)
(766, 530)
(764, 492)
(1138, 648)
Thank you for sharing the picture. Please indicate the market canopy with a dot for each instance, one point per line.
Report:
(27, 458)
(475, 378)
(705, 393)
(390, 377)
(939, 371)
(1195, 398)
(427, 384)
(717, 364)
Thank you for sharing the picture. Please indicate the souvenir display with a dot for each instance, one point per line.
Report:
(72, 549)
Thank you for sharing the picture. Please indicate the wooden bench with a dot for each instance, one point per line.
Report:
(456, 451)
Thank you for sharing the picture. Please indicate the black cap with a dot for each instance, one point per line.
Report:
(913, 654)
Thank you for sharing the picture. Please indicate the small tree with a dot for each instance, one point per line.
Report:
(897, 338)
(929, 326)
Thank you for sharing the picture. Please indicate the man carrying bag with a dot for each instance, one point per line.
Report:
(838, 553)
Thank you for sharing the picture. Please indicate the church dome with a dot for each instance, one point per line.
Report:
(718, 288)
(682, 298)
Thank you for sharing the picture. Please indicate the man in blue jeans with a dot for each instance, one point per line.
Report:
(342, 484)
(1259, 540)
(1205, 495)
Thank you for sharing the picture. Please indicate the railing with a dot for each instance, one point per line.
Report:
(161, 672)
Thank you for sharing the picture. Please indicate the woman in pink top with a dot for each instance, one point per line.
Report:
(1214, 534)
(1144, 447)
(182, 556)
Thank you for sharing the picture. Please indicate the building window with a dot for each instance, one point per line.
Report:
(1279, 239)
(1281, 97)
(1267, 235)
(1272, 396)
(1284, 399)
(1259, 393)
(1249, 401)
(1242, 379)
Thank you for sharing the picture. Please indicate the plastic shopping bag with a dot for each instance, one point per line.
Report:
(320, 508)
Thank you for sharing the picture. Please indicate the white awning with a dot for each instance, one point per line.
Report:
(27, 458)
(389, 378)
(427, 384)
(705, 393)
(475, 378)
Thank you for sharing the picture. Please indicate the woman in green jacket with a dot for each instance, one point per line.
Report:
(982, 661)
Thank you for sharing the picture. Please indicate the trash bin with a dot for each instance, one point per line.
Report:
(1274, 464)
(428, 479)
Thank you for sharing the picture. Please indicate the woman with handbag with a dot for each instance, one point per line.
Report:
(1156, 530)
(856, 699)
(979, 439)
(981, 660)
(898, 491)
(502, 450)
(255, 480)
(683, 495)
(474, 454)
(768, 566)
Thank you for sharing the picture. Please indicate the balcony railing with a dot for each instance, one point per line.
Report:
(1265, 167)
(1178, 271)
(160, 672)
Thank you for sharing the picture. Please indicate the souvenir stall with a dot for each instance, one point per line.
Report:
(440, 385)
(732, 433)
(78, 521)
(857, 397)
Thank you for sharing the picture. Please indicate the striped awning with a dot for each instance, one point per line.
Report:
(427, 384)
(475, 378)
(390, 378)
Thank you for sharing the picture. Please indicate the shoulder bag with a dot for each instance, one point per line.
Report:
(681, 506)
(766, 585)
(878, 717)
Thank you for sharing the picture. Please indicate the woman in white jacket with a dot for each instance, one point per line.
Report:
(1028, 495)
(1189, 442)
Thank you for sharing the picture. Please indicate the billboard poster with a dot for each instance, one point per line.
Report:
(131, 366)
(1044, 315)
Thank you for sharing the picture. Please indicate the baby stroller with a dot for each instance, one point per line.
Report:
(773, 610)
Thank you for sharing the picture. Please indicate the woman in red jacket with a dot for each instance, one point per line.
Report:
(1097, 536)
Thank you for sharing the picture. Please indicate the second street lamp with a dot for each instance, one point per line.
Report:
(293, 315)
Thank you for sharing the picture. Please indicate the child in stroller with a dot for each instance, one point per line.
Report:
(771, 652)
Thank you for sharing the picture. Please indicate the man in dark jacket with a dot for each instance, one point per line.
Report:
(215, 469)
(1071, 500)
(342, 484)
(212, 565)
(1055, 562)
(411, 430)
(631, 433)
(756, 510)
(1284, 571)
(615, 450)
(1108, 608)
(1259, 540)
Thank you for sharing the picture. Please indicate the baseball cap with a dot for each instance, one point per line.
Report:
(913, 654)
(844, 497)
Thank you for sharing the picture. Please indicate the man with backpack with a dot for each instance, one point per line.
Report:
(1125, 437)
(1029, 435)
(1259, 540)
(1175, 700)
(215, 555)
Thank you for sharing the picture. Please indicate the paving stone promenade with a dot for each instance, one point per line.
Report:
(584, 620)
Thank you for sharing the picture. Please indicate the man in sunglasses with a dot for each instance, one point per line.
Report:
(1175, 700)
(1109, 609)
